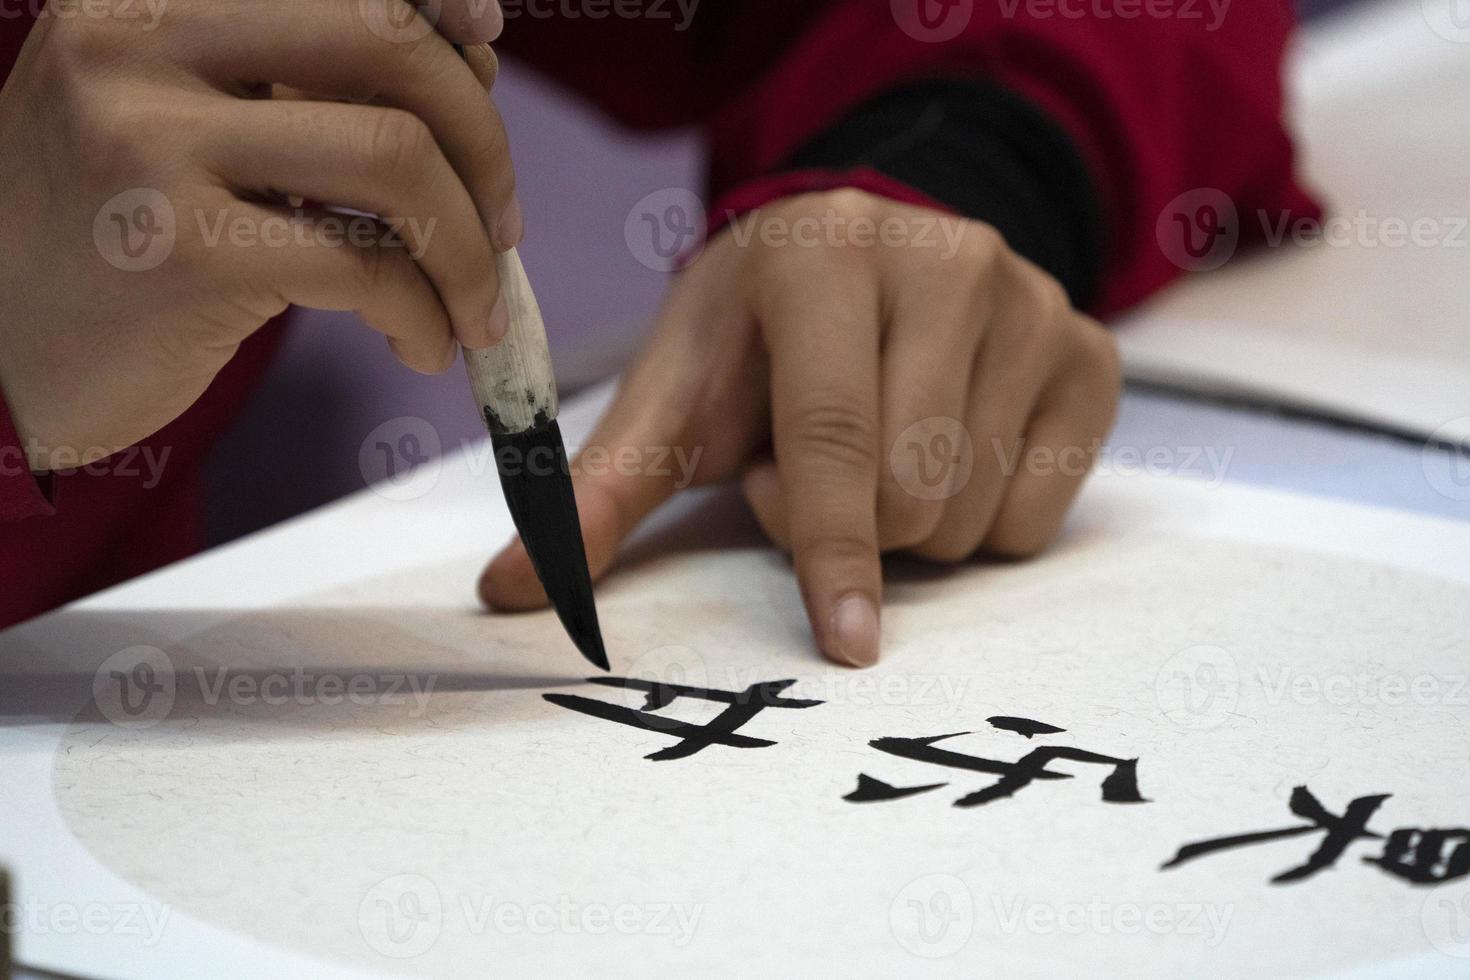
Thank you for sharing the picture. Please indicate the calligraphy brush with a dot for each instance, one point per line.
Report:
(516, 392)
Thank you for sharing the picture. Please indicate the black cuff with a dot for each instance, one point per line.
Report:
(988, 154)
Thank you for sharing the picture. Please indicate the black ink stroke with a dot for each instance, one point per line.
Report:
(870, 790)
(1023, 726)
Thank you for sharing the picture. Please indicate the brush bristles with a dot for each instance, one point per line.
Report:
(538, 490)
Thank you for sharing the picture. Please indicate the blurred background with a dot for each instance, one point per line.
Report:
(349, 414)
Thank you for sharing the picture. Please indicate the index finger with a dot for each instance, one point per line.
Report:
(823, 335)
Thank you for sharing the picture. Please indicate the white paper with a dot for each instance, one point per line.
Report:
(1236, 642)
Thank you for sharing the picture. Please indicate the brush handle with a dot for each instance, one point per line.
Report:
(512, 381)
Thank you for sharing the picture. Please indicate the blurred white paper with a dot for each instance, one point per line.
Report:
(1366, 322)
(430, 812)
(309, 754)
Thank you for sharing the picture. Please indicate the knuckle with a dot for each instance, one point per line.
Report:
(950, 550)
(847, 202)
(1100, 351)
(1047, 297)
(982, 245)
(397, 144)
(494, 149)
(904, 520)
(1093, 366)
(74, 46)
(370, 270)
(830, 546)
(115, 153)
(834, 432)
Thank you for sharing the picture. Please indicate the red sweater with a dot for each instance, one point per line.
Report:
(1151, 106)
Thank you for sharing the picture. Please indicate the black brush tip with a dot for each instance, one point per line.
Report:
(538, 490)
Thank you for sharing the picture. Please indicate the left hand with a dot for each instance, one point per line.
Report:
(826, 350)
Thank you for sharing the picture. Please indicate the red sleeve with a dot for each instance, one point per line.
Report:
(1157, 106)
(21, 495)
(1160, 97)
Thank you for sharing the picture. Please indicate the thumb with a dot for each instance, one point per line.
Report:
(618, 478)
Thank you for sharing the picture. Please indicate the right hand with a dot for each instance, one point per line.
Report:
(205, 122)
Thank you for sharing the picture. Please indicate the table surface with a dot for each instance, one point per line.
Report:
(1269, 448)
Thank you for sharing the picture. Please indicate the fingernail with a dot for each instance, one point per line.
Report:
(478, 22)
(511, 227)
(855, 631)
(494, 22)
(499, 319)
